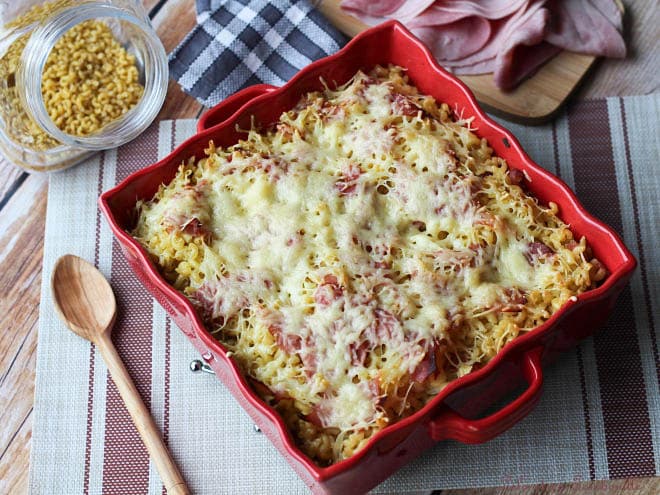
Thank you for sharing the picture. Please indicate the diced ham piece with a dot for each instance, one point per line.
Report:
(195, 228)
(359, 352)
(430, 363)
(309, 361)
(188, 211)
(288, 342)
(425, 368)
(328, 291)
(331, 112)
(374, 388)
(314, 417)
(513, 300)
(216, 302)
(347, 183)
(386, 323)
(536, 250)
(402, 105)
(386, 328)
(516, 176)
(454, 259)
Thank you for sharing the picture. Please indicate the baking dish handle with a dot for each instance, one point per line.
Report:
(450, 425)
(223, 110)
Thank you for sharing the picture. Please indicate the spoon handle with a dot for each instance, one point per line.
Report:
(169, 472)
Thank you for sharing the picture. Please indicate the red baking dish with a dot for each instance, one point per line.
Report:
(457, 412)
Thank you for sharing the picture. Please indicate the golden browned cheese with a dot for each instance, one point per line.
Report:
(359, 255)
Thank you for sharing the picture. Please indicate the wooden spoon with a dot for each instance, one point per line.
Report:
(85, 302)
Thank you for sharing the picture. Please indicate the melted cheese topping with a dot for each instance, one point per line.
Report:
(359, 255)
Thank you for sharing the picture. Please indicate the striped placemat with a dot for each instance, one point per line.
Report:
(599, 417)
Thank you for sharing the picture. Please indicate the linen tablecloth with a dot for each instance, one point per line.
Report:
(599, 417)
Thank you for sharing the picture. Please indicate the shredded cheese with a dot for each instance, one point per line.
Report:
(359, 255)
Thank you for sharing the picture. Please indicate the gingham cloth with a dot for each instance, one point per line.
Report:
(238, 43)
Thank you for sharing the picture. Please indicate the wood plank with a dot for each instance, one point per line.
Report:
(14, 463)
(150, 4)
(10, 174)
(172, 22)
(21, 240)
(179, 105)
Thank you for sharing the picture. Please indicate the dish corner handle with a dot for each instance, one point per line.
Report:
(226, 108)
(451, 425)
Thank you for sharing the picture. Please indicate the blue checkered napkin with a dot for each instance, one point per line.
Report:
(238, 43)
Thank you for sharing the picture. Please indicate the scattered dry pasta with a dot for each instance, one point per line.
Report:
(361, 254)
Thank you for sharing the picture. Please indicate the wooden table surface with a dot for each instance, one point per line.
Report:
(23, 214)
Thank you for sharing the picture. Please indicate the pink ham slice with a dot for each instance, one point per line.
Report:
(514, 50)
(592, 26)
(511, 39)
(371, 9)
(521, 63)
(371, 12)
(524, 50)
(448, 11)
(527, 25)
(451, 41)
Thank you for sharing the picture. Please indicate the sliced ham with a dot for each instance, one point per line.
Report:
(448, 11)
(525, 25)
(367, 8)
(451, 40)
(488, 9)
(369, 11)
(610, 10)
(519, 55)
(593, 26)
(521, 62)
(511, 39)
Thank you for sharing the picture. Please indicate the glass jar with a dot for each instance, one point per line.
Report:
(76, 76)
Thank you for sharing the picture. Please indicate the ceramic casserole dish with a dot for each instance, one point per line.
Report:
(463, 411)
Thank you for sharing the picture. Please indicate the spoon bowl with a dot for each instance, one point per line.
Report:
(83, 297)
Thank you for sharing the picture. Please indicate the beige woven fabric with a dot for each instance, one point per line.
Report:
(599, 416)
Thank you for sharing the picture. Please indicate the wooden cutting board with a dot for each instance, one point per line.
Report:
(535, 101)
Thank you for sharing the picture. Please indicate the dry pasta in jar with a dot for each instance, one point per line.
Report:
(92, 74)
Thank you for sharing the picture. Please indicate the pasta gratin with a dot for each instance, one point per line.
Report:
(359, 255)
